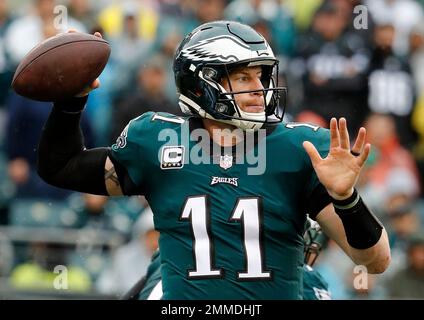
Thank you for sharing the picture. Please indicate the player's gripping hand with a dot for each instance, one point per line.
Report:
(340, 170)
(96, 83)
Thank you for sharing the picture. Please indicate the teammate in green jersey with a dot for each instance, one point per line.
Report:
(230, 185)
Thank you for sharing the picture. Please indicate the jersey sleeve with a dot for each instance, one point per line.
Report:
(128, 152)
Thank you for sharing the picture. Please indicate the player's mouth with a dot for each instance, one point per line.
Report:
(253, 108)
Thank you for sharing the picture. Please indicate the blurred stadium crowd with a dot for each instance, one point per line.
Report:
(372, 75)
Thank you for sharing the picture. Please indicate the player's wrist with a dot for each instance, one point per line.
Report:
(345, 200)
(344, 196)
(72, 105)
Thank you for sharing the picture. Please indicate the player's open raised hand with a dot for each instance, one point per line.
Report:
(339, 171)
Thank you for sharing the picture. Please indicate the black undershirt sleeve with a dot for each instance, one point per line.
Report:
(317, 200)
(62, 159)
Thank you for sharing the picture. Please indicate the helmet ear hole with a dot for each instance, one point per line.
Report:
(210, 73)
(266, 76)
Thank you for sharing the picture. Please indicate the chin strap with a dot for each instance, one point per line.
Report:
(244, 124)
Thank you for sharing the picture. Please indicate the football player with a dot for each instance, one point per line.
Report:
(228, 229)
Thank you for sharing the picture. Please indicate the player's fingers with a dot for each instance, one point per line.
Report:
(334, 134)
(312, 152)
(344, 134)
(95, 84)
(72, 30)
(364, 155)
(360, 141)
(98, 34)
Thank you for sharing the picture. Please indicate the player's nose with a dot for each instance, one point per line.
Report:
(257, 87)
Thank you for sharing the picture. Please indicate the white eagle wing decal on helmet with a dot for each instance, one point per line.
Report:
(222, 48)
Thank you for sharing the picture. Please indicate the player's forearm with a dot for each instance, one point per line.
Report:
(62, 158)
(362, 241)
(366, 236)
(377, 258)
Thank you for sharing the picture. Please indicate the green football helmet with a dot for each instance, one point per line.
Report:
(207, 55)
(314, 240)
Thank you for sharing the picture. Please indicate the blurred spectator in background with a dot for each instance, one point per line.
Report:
(129, 263)
(82, 11)
(333, 64)
(39, 272)
(92, 214)
(403, 15)
(389, 160)
(417, 67)
(7, 255)
(100, 217)
(129, 50)
(25, 120)
(99, 105)
(165, 46)
(99, 213)
(409, 282)
(6, 69)
(312, 118)
(112, 18)
(418, 150)
(262, 26)
(416, 41)
(391, 87)
(26, 32)
(346, 8)
(149, 95)
(209, 10)
(6, 74)
(402, 217)
(302, 11)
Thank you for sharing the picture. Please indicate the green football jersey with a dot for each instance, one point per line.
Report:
(314, 285)
(152, 289)
(230, 227)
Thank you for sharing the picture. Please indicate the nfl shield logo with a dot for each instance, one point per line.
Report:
(226, 162)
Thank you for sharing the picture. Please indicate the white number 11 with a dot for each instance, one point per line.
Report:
(246, 211)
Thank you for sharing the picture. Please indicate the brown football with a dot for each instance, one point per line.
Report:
(61, 67)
